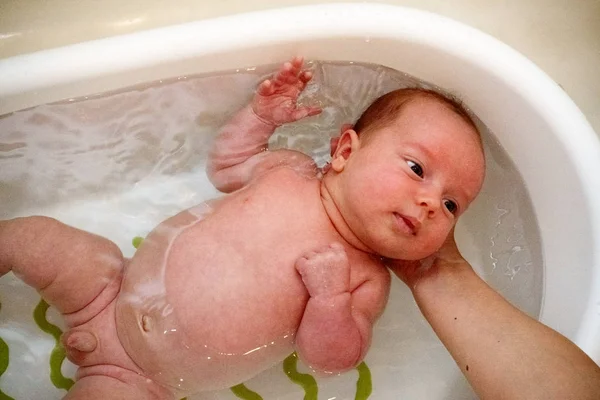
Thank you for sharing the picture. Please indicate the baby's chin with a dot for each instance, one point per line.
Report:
(410, 253)
(403, 255)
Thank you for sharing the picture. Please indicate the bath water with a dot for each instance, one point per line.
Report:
(118, 164)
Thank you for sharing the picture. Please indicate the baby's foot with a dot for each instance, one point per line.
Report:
(325, 272)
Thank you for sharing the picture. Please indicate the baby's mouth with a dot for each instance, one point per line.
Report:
(407, 224)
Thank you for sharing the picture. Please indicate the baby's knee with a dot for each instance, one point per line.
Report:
(33, 223)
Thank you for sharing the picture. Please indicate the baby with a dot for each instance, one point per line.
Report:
(292, 259)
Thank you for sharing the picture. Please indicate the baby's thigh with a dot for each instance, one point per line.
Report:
(68, 266)
(127, 386)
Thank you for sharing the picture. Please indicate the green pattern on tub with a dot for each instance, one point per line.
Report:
(3, 366)
(58, 353)
(243, 392)
(308, 383)
(4, 359)
(136, 241)
(364, 385)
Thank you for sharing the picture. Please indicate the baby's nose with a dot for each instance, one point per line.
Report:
(430, 201)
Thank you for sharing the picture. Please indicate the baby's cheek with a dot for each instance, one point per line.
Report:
(443, 234)
(435, 240)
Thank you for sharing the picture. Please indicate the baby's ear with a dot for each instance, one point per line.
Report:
(347, 144)
(333, 143)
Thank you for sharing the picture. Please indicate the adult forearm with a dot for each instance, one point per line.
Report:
(504, 353)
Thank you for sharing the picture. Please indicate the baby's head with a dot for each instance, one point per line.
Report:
(410, 167)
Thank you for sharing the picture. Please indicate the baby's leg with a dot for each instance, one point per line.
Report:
(80, 274)
(110, 388)
(69, 267)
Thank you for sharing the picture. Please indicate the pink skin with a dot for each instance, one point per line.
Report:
(275, 100)
(219, 292)
(406, 216)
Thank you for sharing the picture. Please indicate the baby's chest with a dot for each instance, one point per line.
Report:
(281, 207)
(267, 226)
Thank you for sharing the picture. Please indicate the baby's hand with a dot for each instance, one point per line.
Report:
(325, 272)
(276, 99)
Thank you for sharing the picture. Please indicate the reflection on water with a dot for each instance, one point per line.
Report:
(118, 165)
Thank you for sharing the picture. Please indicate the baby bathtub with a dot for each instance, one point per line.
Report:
(547, 137)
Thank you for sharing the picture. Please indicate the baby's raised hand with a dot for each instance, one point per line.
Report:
(325, 272)
(275, 101)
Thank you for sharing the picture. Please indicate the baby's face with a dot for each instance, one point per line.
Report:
(406, 186)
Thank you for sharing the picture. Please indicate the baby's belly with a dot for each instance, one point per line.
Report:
(170, 352)
(195, 313)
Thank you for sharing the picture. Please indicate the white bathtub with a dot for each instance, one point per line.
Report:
(545, 134)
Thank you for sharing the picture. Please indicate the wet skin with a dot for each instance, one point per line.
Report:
(290, 260)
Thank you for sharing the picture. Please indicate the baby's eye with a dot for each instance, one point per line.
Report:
(416, 168)
(451, 206)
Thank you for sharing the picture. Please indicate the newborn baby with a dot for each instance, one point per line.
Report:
(293, 259)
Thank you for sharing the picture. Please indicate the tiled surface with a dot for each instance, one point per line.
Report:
(560, 36)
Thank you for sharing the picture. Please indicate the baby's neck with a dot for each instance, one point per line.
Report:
(337, 219)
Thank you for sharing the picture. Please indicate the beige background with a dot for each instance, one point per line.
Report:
(561, 36)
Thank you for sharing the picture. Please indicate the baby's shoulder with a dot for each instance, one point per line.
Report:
(286, 161)
(296, 175)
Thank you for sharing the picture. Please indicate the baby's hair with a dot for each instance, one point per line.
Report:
(386, 108)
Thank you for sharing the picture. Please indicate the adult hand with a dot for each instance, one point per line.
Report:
(411, 272)
(503, 353)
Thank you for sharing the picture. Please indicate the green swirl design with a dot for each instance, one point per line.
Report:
(3, 366)
(364, 385)
(136, 241)
(4, 357)
(58, 353)
(306, 381)
(243, 392)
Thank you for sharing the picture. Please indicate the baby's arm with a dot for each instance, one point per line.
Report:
(240, 150)
(336, 328)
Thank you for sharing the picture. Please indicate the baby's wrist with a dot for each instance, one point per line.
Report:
(262, 119)
(331, 300)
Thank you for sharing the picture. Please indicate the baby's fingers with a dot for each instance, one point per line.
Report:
(305, 76)
(266, 88)
(297, 62)
(295, 66)
(287, 75)
(304, 112)
(303, 79)
(290, 72)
